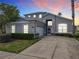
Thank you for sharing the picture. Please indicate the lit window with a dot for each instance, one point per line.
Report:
(49, 23)
(25, 28)
(34, 16)
(40, 16)
(13, 28)
(29, 16)
(62, 28)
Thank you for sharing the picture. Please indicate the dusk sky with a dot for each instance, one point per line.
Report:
(52, 6)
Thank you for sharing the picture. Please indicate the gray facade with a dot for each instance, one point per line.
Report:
(55, 21)
(38, 23)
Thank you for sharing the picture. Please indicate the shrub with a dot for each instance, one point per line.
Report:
(22, 36)
(76, 35)
(13, 36)
(5, 38)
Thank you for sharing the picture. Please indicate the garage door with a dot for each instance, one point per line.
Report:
(39, 30)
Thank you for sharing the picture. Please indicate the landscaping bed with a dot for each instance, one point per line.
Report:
(16, 46)
(16, 42)
(14, 36)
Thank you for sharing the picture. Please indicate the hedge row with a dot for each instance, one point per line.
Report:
(14, 36)
(76, 35)
(22, 36)
(5, 38)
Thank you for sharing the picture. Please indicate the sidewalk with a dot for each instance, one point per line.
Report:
(6, 55)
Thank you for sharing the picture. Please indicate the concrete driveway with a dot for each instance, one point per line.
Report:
(51, 47)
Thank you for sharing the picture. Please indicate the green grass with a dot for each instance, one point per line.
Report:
(16, 46)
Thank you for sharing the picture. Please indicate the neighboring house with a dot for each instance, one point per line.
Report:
(41, 23)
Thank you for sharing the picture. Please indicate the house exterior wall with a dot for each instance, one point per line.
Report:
(65, 21)
(38, 25)
(34, 27)
(19, 27)
(58, 20)
(55, 21)
(8, 28)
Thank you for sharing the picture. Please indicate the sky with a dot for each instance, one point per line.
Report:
(52, 6)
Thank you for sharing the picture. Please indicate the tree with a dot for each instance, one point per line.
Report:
(9, 13)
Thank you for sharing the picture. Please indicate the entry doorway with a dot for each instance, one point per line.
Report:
(48, 26)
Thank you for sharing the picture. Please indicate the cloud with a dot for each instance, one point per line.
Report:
(52, 5)
(77, 6)
(25, 3)
(41, 3)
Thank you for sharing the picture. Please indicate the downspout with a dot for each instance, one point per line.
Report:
(55, 25)
(35, 29)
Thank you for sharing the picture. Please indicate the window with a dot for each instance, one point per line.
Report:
(26, 28)
(62, 28)
(1, 12)
(34, 16)
(29, 16)
(49, 23)
(40, 15)
(13, 29)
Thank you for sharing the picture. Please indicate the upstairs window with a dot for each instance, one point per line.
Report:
(29, 16)
(34, 16)
(40, 15)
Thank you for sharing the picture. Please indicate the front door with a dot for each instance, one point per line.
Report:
(49, 30)
(48, 26)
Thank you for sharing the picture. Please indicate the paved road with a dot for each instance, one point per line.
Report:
(51, 47)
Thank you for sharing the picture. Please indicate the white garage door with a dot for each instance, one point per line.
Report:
(39, 30)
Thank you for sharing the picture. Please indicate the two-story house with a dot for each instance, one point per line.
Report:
(41, 23)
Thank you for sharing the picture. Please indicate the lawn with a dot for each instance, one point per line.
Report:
(16, 46)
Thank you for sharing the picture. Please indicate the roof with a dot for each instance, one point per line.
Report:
(21, 19)
(47, 13)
